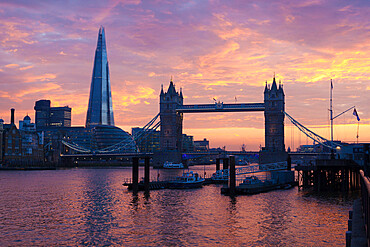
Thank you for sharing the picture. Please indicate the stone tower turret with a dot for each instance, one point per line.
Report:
(274, 100)
(171, 122)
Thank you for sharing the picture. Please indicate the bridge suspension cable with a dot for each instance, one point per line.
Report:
(136, 139)
(133, 140)
(125, 144)
(147, 129)
(312, 135)
(76, 147)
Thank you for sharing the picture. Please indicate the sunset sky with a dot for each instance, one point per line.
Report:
(213, 49)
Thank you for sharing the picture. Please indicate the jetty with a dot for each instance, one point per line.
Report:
(329, 174)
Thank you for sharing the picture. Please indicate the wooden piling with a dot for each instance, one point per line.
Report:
(135, 174)
(232, 179)
(217, 164)
(226, 163)
(147, 174)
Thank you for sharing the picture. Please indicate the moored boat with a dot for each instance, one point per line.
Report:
(188, 180)
(219, 177)
(170, 165)
(253, 185)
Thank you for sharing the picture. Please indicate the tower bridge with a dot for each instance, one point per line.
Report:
(172, 109)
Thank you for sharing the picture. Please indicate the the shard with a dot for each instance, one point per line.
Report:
(100, 111)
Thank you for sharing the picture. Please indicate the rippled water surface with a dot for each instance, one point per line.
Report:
(91, 207)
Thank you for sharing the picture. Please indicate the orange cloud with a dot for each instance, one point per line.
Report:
(44, 77)
(25, 68)
(12, 65)
(133, 97)
(37, 89)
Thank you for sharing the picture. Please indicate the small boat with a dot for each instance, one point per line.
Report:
(243, 163)
(253, 185)
(286, 186)
(170, 165)
(252, 181)
(188, 180)
(219, 177)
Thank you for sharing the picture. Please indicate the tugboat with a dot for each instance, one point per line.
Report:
(188, 180)
(170, 165)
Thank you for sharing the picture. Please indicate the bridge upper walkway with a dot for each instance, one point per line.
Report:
(221, 107)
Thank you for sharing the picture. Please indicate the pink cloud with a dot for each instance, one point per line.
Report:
(213, 49)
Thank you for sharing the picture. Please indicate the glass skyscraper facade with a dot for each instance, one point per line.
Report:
(100, 110)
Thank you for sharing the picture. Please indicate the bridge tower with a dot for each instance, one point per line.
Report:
(274, 100)
(171, 124)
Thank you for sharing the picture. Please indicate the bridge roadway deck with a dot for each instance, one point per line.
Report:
(221, 107)
(151, 154)
(109, 155)
(237, 153)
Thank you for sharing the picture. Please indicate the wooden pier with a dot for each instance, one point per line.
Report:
(329, 174)
(146, 185)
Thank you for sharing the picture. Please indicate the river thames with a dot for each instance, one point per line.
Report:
(91, 207)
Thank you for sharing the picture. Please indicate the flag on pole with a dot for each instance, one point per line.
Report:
(355, 114)
(331, 84)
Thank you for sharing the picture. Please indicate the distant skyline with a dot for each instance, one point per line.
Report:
(213, 49)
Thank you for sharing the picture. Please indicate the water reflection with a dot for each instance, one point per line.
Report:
(91, 207)
(97, 209)
(274, 220)
(134, 201)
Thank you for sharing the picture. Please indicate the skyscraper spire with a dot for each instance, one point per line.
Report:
(100, 110)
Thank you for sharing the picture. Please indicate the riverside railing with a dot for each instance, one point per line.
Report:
(365, 194)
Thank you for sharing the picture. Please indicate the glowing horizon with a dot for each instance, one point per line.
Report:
(212, 49)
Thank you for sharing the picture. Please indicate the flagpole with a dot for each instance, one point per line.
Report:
(331, 118)
(331, 109)
(358, 126)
